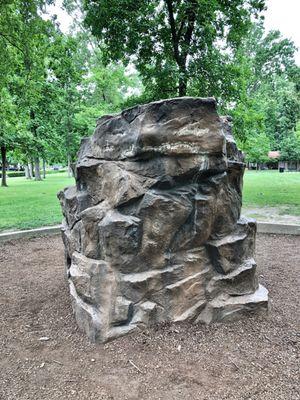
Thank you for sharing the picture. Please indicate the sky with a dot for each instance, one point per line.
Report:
(283, 15)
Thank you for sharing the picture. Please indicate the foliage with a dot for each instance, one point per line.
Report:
(54, 86)
(290, 148)
(173, 43)
(267, 107)
(257, 147)
(15, 174)
(24, 35)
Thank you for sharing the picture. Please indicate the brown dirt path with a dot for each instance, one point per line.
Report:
(254, 358)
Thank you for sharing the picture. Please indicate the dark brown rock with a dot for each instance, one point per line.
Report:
(152, 229)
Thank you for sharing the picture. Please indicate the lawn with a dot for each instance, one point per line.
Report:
(28, 204)
(272, 189)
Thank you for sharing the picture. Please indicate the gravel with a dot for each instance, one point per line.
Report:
(44, 356)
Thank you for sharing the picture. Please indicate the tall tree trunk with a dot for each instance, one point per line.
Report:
(3, 160)
(181, 37)
(27, 173)
(36, 161)
(37, 173)
(31, 168)
(44, 168)
(70, 172)
(182, 83)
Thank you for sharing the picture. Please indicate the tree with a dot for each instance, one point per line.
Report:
(8, 61)
(25, 34)
(53, 86)
(171, 42)
(68, 67)
(86, 88)
(7, 117)
(267, 99)
(290, 148)
(257, 147)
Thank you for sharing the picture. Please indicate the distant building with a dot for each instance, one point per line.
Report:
(274, 154)
(286, 165)
(274, 160)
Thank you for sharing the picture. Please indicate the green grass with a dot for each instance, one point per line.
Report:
(28, 204)
(272, 189)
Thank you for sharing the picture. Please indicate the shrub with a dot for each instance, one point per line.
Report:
(13, 174)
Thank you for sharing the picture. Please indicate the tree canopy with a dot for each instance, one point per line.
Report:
(53, 88)
(54, 85)
(268, 100)
(174, 44)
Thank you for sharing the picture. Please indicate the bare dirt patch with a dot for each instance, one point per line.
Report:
(277, 215)
(254, 358)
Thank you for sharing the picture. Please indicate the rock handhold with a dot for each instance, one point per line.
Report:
(152, 230)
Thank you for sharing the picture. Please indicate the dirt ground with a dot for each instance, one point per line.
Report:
(253, 359)
(277, 215)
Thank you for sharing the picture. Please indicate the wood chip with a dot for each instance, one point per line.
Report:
(44, 339)
(135, 366)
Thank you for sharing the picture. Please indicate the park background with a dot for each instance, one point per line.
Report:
(65, 64)
(60, 70)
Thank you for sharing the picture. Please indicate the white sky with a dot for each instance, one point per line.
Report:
(64, 19)
(283, 15)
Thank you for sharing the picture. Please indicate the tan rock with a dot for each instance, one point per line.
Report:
(152, 230)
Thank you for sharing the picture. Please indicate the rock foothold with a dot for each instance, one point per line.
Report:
(152, 230)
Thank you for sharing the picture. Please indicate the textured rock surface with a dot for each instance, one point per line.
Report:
(152, 230)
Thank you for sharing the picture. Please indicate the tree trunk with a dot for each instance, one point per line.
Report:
(182, 84)
(37, 173)
(181, 39)
(31, 169)
(70, 172)
(44, 168)
(3, 159)
(35, 162)
(27, 173)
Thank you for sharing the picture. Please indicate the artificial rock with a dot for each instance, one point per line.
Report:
(152, 230)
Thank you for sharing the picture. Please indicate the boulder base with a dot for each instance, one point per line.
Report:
(152, 230)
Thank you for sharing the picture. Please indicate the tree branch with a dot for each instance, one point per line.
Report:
(173, 31)
(12, 43)
(191, 17)
(180, 29)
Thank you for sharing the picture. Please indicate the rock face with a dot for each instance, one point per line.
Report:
(152, 230)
